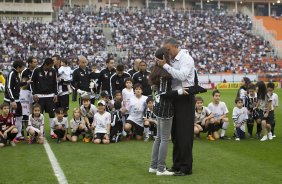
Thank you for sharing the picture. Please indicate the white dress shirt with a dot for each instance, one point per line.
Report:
(182, 70)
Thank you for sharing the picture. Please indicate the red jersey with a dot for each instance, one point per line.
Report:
(6, 122)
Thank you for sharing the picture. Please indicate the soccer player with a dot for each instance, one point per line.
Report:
(25, 92)
(88, 111)
(265, 111)
(12, 94)
(35, 126)
(8, 130)
(150, 123)
(204, 121)
(251, 106)
(102, 124)
(60, 125)
(117, 80)
(78, 126)
(220, 111)
(44, 90)
(239, 116)
(134, 125)
(117, 123)
(142, 77)
(274, 96)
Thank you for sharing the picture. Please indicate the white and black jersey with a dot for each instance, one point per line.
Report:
(263, 103)
(275, 100)
(74, 123)
(36, 123)
(101, 122)
(12, 88)
(218, 109)
(89, 113)
(127, 94)
(63, 122)
(251, 102)
(240, 117)
(136, 110)
(199, 116)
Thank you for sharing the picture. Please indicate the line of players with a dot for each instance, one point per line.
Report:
(255, 105)
(127, 108)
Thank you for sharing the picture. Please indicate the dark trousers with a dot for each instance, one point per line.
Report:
(182, 132)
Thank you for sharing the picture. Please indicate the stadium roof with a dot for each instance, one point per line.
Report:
(26, 7)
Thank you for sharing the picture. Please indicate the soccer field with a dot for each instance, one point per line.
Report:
(222, 161)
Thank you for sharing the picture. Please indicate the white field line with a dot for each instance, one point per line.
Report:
(55, 165)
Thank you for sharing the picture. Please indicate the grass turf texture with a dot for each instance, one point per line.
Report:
(228, 161)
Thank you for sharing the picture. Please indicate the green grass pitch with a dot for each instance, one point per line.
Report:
(247, 161)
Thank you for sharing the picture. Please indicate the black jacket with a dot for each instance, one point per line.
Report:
(142, 78)
(104, 80)
(25, 76)
(131, 72)
(44, 82)
(13, 86)
(117, 82)
(81, 79)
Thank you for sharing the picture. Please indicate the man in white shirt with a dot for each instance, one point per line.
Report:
(182, 70)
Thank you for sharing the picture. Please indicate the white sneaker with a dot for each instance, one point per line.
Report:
(12, 143)
(151, 170)
(237, 139)
(270, 137)
(264, 138)
(164, 173)
(273, 136)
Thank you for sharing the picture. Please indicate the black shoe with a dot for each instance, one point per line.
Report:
(225, 138)
(180, 173)
(173, 170)
(58, 141)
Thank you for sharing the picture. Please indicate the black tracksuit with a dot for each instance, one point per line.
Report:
(81, 79)
(142, 78)
(104, 80)
(117, 82)
(12, 88)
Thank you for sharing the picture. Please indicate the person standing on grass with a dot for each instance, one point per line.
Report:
(182, 70)
(12, 94)
(8, 130)
(274, 96)
(44, 90)
(243, 90)
(239, 116)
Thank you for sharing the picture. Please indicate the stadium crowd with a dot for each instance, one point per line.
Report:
(217, 41)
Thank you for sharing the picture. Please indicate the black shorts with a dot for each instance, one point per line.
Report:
(63, 101)
(270, 118)
(47, 105)
(136, 129)
(77, 133)
(16, 112)
(205, 129)
(3, 141)
(99, 136)
(217, 127)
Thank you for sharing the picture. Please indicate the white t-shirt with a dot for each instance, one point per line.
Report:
(65, 73)
(218, 109)
(240, 115)
(74, 124)
(64, 122)
(200, 116)
(126, 96)
(36, 122)
(274, 100)
(136, 109)
(89, 114)
(101, 121)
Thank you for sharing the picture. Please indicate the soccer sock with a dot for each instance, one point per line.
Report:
(146, 132)
(224, 128)
(11, 136)
(272, 128)
(51, 126)
(250, 128)
(19, 125)
(259, 129)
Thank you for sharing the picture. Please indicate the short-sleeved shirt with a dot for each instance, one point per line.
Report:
(64, 122)
(126, 96)
(240, 115)
(200, 116)
(218, 109)
(101, 121)
(136, 109)
(74, 123)
(88, 113)
(6, 122)
(36, 122)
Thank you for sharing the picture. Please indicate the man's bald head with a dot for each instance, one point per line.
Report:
(82, 62)
(136, 64)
